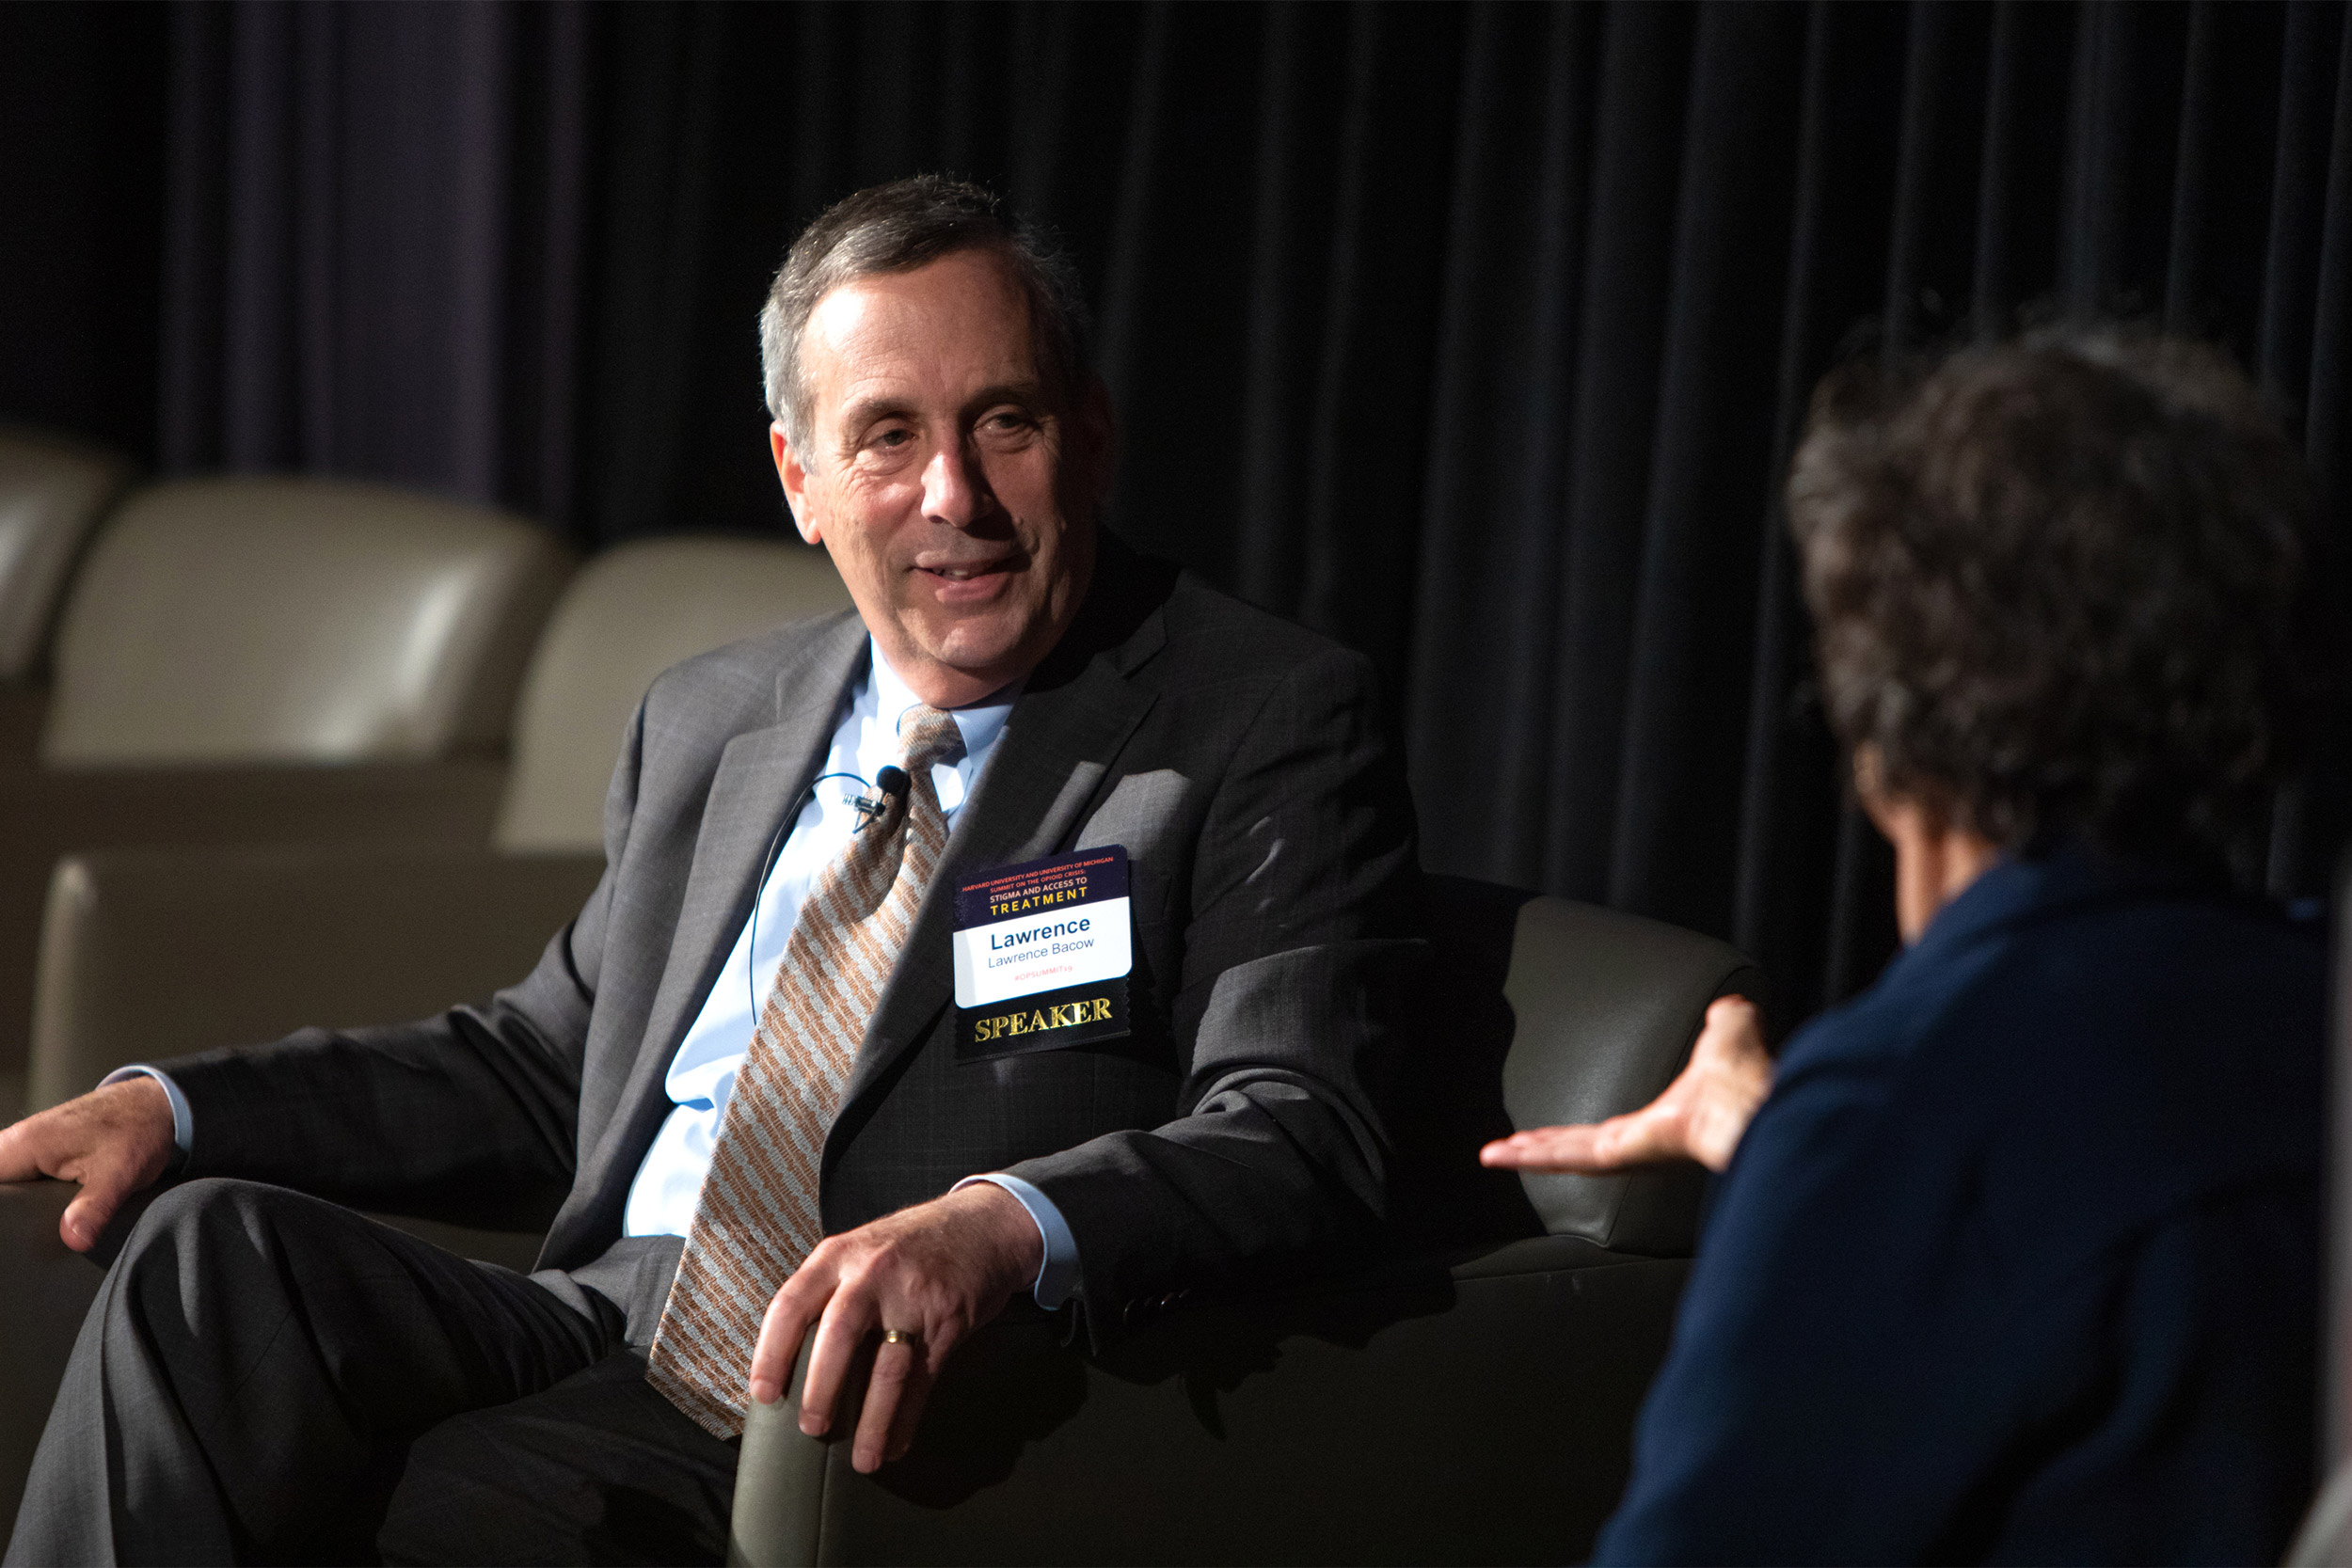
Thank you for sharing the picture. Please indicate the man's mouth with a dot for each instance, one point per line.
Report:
(967, 572)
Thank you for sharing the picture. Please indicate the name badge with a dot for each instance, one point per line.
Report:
(1042, 954)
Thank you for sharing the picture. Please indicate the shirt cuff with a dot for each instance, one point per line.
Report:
(182, 1119)
(1058, 1277)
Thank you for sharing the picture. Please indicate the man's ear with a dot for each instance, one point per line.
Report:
(795, 478)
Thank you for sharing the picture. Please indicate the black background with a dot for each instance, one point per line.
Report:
(1477, 336)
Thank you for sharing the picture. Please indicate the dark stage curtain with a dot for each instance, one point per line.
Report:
(1475, 336)
(80, 218)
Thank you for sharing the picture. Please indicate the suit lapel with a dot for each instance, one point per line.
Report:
(1058, 745)
(761, 775)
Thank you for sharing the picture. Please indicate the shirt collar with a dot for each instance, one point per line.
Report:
(979, 722)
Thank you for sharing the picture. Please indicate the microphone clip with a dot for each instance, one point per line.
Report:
(889, 783)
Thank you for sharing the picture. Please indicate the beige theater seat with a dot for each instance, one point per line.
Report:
(52, 491)
(263, 939)
(271, 660)
(631, 613)
(296, 621)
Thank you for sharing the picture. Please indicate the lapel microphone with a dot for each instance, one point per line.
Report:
(888, 781)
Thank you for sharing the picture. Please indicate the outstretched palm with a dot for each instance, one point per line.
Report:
(1700, 1116)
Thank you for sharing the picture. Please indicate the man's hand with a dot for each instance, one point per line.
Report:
(115, 1141)
(1700, 1116)
(935, 1272)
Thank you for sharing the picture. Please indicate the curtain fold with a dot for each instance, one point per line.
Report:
(374, 243)
(1477, 336)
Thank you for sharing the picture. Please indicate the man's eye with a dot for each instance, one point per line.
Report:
(894, 438)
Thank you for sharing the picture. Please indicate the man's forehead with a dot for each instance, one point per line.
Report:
(962, 313)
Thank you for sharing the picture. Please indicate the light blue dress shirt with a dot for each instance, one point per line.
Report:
(662, 1199)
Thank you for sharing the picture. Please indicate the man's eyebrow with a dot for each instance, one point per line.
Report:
(858, 412)
(1032, 392)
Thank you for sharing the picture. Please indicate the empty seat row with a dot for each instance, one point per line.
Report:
(282, 661)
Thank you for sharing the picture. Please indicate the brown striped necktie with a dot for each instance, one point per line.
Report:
(757, 1216)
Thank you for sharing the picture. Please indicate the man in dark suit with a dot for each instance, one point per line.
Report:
(882, 1152)
(2016, 1257)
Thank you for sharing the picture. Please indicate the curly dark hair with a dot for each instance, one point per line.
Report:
(2060, 587)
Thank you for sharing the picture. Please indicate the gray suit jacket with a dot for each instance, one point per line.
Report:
(1237, 758)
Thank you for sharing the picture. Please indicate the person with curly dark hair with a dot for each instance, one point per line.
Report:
(2016, 1256)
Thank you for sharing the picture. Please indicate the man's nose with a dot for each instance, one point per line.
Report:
(955, 492)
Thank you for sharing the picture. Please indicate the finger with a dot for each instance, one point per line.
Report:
(1542, 1148)
(912, 1402)
(841, 1334)
(1730, 1008)
(86, 1217)
(1733, 1027)
(779, 1345)
(893, 1388)
(1641, 1137)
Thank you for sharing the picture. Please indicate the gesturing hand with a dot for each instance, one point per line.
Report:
(1700, 1116)
(115, 1141)
(935, 1272)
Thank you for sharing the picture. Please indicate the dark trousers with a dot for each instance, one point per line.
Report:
(268, 1378)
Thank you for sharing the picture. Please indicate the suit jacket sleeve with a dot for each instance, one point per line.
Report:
(468, 1116)
(1302, 925)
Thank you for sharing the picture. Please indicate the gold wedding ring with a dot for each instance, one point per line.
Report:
(901, 1336)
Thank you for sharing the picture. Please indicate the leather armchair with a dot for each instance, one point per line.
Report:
(270, 660)
(1467, 1397)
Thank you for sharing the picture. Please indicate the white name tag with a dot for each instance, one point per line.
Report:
(1042, 950)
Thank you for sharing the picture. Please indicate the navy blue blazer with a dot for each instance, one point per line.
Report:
(2021, 1260)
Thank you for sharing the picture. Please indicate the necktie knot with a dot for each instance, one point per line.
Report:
(930, 737)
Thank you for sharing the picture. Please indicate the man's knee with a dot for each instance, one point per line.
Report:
(220, 1241)
(203, 1213)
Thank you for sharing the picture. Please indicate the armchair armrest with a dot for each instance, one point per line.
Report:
(1478, 1410)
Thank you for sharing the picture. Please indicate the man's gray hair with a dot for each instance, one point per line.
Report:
(897, 227)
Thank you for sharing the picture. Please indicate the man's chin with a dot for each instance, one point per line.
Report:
(992, 658)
